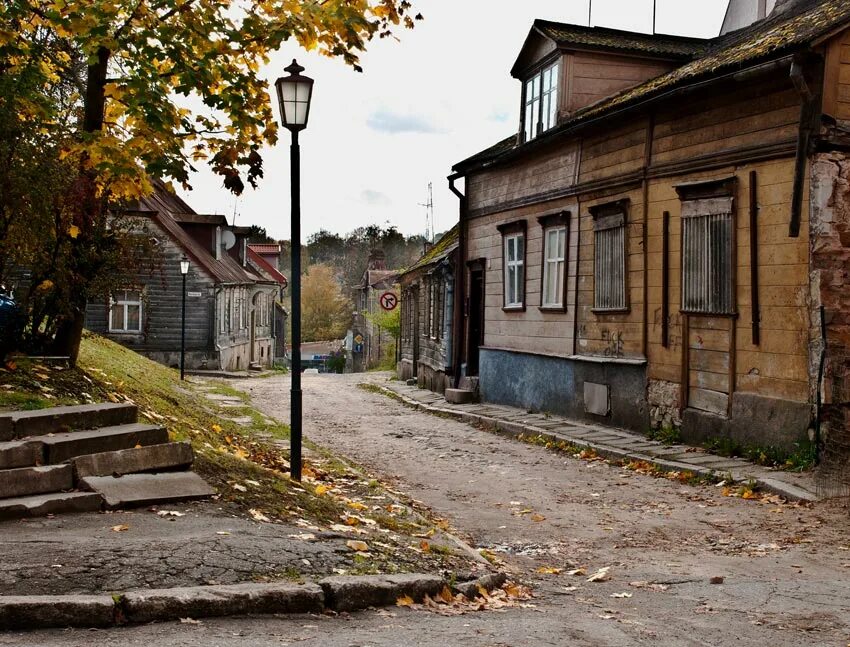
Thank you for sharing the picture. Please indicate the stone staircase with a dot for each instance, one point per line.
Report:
(90, 457)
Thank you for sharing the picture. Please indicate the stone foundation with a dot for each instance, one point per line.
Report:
(664, 404)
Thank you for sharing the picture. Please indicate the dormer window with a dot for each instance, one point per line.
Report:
(540, 96)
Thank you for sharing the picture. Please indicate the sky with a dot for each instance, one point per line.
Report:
(425, 101)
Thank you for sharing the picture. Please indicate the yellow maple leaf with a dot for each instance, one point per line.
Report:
(73, 231)
(404, 601)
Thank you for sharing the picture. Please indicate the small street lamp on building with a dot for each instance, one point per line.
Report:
(184, 270)
(293, 94)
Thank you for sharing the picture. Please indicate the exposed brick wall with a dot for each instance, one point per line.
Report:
(830, 281)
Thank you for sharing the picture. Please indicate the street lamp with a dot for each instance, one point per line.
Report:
(184, 270)
(293, 96)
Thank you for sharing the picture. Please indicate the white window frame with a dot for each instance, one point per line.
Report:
(127, 303)
(540, 102)
(514, 270)
(554, 261)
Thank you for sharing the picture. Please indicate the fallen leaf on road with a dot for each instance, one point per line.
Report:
(577, 572)
(446, 595)
(189, 621)
(621, 595)
(425, 546)
(601, 575)
(170, 513)
(359, 546)
(321, 489)
(404, 601)
(538, 517)
(548, 570)
(259, 516)
(222, 532)
(121, 528)
(254, 483)
(716, 580)
(240, 488)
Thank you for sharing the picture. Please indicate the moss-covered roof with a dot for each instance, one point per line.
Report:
(768, 39)
(445, 246)
(566, 35)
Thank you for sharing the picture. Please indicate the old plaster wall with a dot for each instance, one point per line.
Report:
(829, 236)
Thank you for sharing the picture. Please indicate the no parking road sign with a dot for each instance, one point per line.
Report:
(389, 301)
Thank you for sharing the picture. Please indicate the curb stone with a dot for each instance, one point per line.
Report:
(514, 430)
(336, 593)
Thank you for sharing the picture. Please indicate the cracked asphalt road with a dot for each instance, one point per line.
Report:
(785, 569)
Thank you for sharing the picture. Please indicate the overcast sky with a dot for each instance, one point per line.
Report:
(439, 94)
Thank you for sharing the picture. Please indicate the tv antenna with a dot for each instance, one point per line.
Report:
(430, 224)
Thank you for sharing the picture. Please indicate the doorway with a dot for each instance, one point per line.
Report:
(415, 333)
(475, 333)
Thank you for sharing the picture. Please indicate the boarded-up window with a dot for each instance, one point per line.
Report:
(707, 258)
(609, 262)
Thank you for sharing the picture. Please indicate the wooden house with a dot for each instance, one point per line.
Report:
(427, 316)
(229, 302)
(666, 240)
(377, 342)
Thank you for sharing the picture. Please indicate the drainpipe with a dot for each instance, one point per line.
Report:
(459, 328)
(809, 113)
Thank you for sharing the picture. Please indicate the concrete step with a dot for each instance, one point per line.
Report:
(469, 383)
(144, 489)
(61, 447)
(151, 458)
(22, 424)
(26, 481)
(459, 396)
(54, 503)
(21, 453)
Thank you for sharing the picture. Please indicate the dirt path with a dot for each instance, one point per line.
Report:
(785, 569)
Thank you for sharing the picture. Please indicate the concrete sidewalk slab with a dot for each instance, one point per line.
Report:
(158, 605)
(612, 443)
(43, 611)
(344, 593)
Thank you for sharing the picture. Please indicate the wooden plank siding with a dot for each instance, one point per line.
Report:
(719, 360)
(532, 330)
(595, 76)
(553, 169)
(836, 97)
(777, 367)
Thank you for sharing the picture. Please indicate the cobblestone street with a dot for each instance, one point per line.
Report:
(680, 564)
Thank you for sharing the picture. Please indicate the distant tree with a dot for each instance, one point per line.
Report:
(325, 248)
(326, 312)
(259, 235)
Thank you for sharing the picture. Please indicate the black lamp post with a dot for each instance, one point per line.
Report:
(293, 95)
(184, 270)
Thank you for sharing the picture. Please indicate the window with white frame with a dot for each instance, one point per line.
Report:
(555, 237)
(513, 261)
(540, 98)
(609, 262)
(125, 311)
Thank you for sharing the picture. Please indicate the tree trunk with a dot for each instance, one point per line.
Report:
(70, 332)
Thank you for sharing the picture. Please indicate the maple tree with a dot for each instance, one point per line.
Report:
(159, 86)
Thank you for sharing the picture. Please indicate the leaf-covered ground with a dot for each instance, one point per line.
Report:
(244, 455)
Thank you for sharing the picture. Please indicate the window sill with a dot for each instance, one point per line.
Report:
(611, 311)
(513, 308)
(694, 313)
(554, 309)
(126, 333)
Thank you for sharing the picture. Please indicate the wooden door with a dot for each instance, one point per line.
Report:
(476, 321)
(710, 347)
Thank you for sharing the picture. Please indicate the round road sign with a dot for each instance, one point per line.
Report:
(389, 301)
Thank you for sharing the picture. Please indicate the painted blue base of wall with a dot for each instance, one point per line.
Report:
(556, 385)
